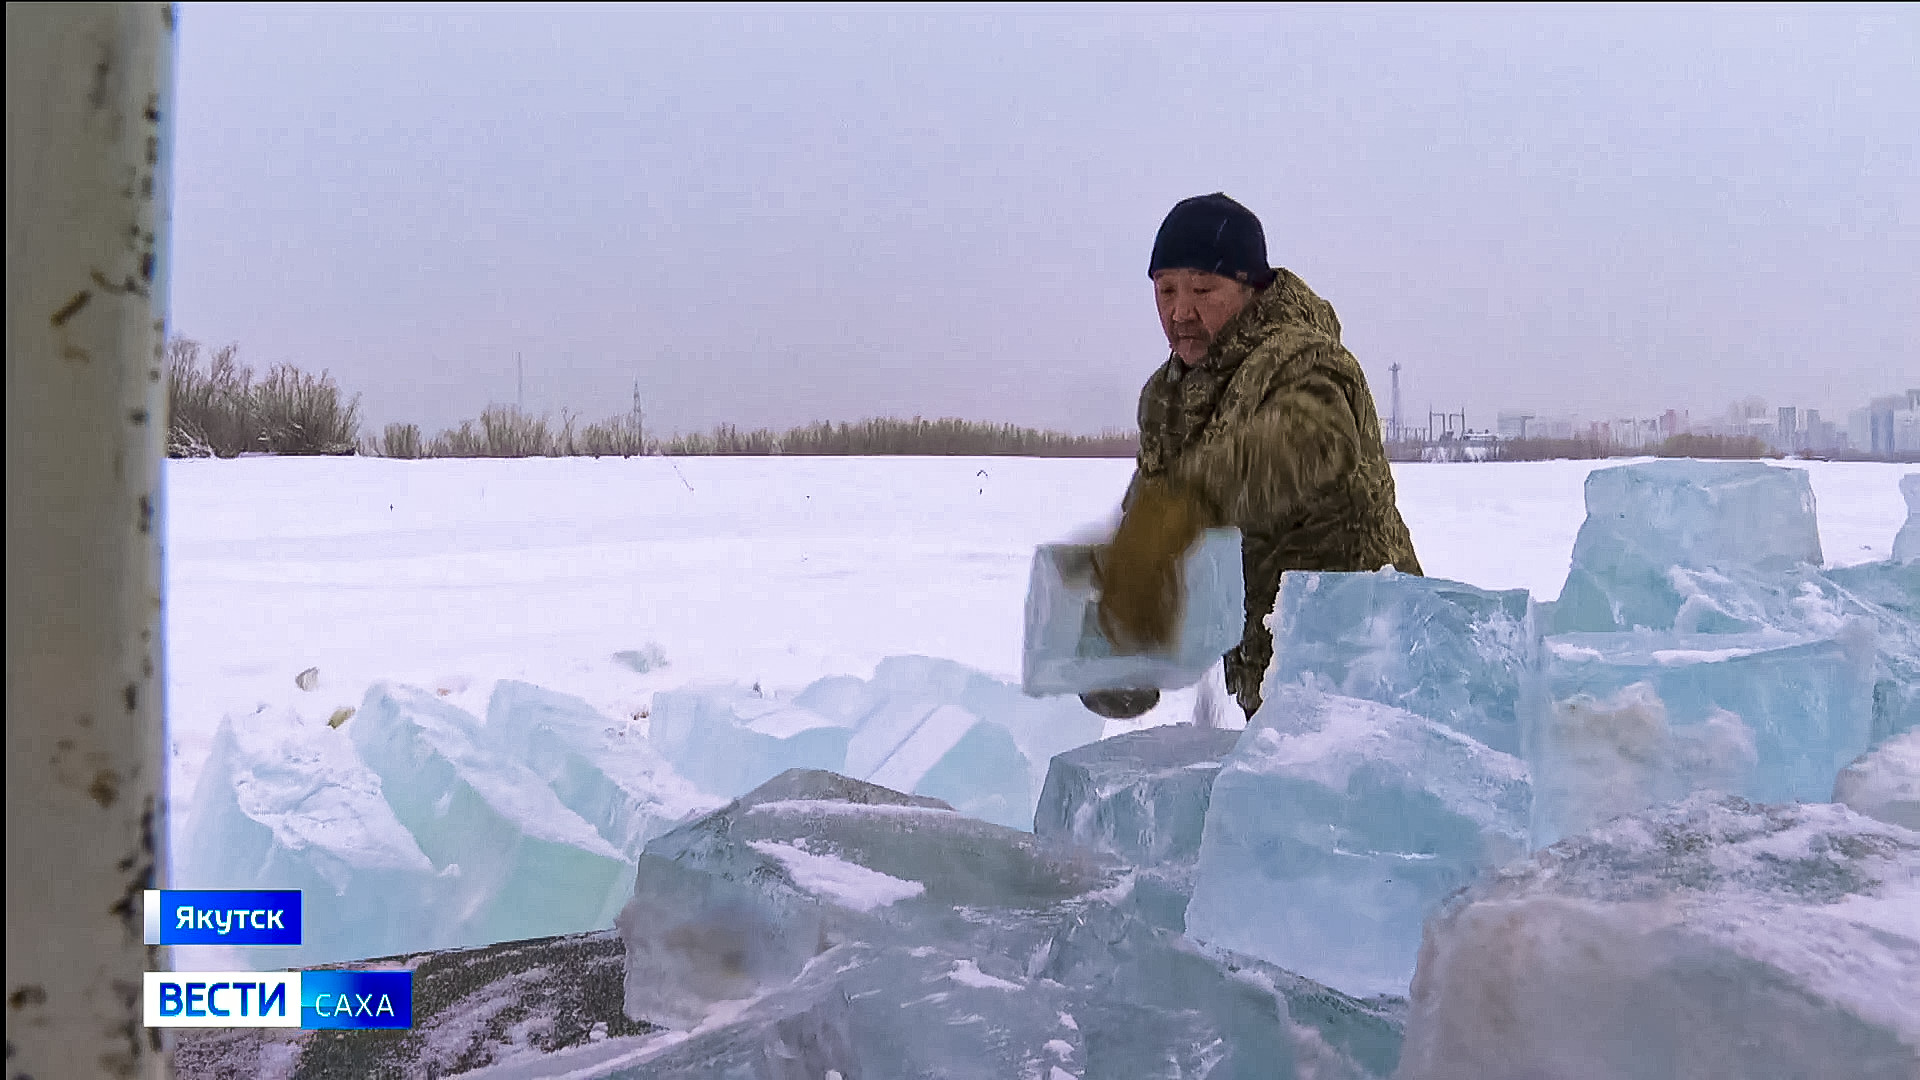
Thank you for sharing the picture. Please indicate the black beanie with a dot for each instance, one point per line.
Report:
(1212, 233)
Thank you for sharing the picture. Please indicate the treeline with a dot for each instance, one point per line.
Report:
(1725, 447)
(504, 432)
(218, 409)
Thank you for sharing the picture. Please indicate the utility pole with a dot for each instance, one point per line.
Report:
(1393, 422)
(519, 383)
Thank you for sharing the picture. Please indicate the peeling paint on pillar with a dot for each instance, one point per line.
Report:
(89, 143)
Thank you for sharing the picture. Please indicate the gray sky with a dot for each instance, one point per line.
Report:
(770, 216)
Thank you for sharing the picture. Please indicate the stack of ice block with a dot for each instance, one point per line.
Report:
(1699, 645)
(1067, 654)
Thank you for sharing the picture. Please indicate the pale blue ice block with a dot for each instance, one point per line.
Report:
(1067, 654)
(1906, 542)
(1450, 652)
(1743, 520)
(1337, 826)
(1635, 720)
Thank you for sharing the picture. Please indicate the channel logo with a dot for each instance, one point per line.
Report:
(314, 1000)
(356, 1000)
(206, 999)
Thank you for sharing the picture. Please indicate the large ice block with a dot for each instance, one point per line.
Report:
(1887, 595)
(835, 927)
(1660, 715)
(728, 740)
(1906, 542)
(1067, 654)
(516, 861)
(606, 772)
(1741, 519)
(1450, 652)
(1712, 939)
(939, 728)
(1885, 783)
(1143, 798)
(806, 859)
(283, 804)
(1337, 825)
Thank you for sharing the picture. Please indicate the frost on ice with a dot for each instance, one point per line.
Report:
(282, 804)
(1712, 938)
(1337, 824)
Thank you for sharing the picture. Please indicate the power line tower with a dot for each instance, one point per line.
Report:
(1393, 421)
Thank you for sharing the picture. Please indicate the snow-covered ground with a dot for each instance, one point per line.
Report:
(451, 575)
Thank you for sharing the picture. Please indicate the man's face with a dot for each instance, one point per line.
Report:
(1194, 305)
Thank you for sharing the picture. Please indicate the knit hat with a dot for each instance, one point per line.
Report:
(1214, 234)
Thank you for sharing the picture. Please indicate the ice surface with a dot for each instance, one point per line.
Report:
(516, 861)
(727, 739)
(1141, 796)
(286, 805)
(1638, 719)
(606, 772)
(1337, 825)
(1906, 542)
(938, 728)
(872, 933)
(1450, 652)
(1067, 654)
(1887, 595)
(1740, 519)
(1715, 939)
(1885, 784)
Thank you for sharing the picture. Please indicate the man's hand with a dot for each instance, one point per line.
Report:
(1138, 573)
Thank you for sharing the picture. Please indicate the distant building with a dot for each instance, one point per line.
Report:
(1905, 434)
(1787, 430)
(1860, 430)
(1513, 425)
(1881, 441)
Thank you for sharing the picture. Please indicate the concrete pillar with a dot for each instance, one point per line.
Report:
(89, 91)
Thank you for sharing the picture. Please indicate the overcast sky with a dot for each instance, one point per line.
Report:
(770, 216)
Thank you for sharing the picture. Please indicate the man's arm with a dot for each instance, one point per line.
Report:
(1300, 440)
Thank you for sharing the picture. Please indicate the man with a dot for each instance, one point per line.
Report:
(1260, 420)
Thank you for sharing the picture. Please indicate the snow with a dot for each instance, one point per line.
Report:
(1885, 783)
(968, 973)
(848, 884)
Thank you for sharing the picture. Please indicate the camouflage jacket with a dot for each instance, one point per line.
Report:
(1275, 433)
